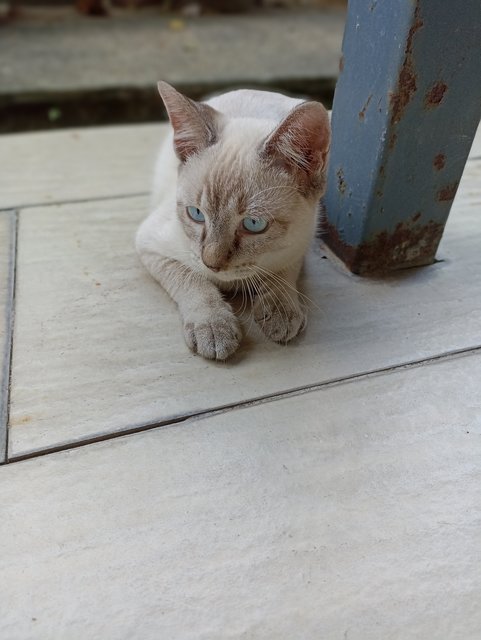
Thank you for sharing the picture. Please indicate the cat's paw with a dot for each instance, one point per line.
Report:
(213, 335)
(280, 324)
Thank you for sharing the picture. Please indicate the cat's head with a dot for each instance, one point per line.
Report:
(247, 189)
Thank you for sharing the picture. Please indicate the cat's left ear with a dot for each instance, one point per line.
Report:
(300, 144)
(195, 124)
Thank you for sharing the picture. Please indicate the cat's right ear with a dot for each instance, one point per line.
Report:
(300, 144)
(195, 124)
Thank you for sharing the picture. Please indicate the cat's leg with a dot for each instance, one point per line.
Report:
(210, 327)
(278, 309)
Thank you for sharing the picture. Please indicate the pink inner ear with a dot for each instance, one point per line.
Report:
(194, 123)
(301, 141)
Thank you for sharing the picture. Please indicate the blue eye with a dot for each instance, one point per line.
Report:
(254, 225)
(196, 214)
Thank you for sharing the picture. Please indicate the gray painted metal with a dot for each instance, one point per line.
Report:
(405, 112)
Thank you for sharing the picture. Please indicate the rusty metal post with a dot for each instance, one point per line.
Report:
(405, 112)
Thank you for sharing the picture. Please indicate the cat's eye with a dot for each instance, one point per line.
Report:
(195, 214)
(254, 225)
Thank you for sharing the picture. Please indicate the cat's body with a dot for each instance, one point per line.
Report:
(234, 206)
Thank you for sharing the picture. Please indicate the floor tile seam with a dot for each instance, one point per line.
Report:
(210, 412)
(6, 365)
(37, 205)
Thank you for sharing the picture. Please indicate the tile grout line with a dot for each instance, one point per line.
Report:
(9, 323)
(35, 205)
(245, 404)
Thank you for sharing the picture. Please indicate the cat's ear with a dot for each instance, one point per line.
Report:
(300, 144)
(195, 124)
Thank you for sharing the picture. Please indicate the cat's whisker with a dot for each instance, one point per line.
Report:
(282, 281)
(244, 298)
(251, 296)
(234, 292)
(185, 276)
(305, 301)
(281, 295)
(302, 296)
(258, 293)
(270, 294)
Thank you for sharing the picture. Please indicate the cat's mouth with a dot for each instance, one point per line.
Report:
(227, 274)
(231, 274)
(235, 273)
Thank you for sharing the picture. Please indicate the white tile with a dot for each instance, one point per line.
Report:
(351, 512)
(98, 345)
(7, 258)
(76, 164)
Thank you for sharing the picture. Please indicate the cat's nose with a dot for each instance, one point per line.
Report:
(214, 258)
(212, 267)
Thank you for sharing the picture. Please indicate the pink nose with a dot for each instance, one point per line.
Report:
(214, 258)
(212, 267)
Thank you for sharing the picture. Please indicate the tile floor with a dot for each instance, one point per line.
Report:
(328, 489)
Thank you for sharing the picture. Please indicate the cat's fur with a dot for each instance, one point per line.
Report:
(240, 154)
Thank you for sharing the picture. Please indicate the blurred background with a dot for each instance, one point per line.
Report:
(86, 62)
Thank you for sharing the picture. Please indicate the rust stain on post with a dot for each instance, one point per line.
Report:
(409, 245)
(406, 87)
(392, 140)
(435, 95)
(331, 236)
(439, 161)
(362, 113)
(447, 193)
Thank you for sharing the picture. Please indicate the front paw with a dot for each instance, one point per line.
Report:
(279, 323)
(213, 334)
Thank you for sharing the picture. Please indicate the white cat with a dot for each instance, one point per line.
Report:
(234, 205)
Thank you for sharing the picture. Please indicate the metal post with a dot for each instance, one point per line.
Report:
(405, 112)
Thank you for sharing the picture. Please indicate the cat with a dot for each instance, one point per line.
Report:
(234, 202)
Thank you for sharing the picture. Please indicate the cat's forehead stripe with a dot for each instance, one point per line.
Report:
(224, 189)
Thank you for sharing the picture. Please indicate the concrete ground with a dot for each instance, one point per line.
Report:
(69, 70)
(327, 489)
